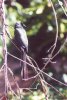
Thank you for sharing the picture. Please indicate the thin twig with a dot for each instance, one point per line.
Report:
(40, 71)
(2, 68)
(55, 15)
(54, 89)
(61, 4)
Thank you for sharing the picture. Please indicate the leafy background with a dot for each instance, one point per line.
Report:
(38, 16)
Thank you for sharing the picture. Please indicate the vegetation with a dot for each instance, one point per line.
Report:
(46, 26)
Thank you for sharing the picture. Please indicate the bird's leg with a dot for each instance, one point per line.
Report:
(24, 71)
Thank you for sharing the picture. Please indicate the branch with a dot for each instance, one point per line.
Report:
(4, 46)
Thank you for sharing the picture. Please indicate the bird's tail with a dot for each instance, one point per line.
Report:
(24, 71)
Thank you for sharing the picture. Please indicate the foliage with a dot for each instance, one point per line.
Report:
(39, 95)
(37, 14)
(34, 16)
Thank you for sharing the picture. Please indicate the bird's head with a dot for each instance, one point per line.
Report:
(19, 25)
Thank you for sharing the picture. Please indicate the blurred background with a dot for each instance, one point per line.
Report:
(39, 19)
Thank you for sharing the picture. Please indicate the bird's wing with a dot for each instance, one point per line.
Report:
(23, 36)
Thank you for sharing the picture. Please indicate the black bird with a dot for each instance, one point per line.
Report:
(22, 44)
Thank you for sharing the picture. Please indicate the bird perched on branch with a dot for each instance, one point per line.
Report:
(21, 41)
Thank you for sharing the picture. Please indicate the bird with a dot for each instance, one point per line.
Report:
(21, 41)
